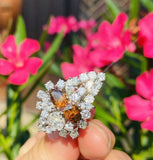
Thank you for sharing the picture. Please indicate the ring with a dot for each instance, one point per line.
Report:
(67, 106)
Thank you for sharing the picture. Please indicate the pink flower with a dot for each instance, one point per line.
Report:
(81, 63)
(60, 23)
(145, 36)
(87, 25)
(110, 42)
(140, 107)
(18, 65)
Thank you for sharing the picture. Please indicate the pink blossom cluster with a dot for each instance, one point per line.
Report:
(105, 46)
(17, 63)
(68, 24)
(140, 107)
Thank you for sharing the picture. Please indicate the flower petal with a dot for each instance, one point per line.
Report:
(5, 67)
(148, 49)
(105, 32)
(28, 47)
(33, 64)
(137, 108)
(144, 84)
(19, 77)
(118, 24)
(148, 124)
(9, 48)
(69, 70)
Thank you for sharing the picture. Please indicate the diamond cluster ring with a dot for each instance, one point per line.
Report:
(67, 106)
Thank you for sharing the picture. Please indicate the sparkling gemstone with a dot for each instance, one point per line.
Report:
(60, 84)
(63, 133)
(73, 114)
(83, 77)
(42, 120)
(44, 114)
(86, 106)
(98, 84)
(69, 126)
(82, 91)
(74, 133)
(85, 114)
(89, 85)
(56, 121)
(75, 97)
(92, 75)
(82, 124)
(89, 99)
(43, 95)
(58, 98)
(75, 81)
(94, 91)
(101, 76)
(48, 129)
(49, 107)
(49, 85)
(69, 90)
(39, 105)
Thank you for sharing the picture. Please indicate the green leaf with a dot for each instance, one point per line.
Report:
(136, 60)
(20, 33)
(114, 10)
(106, 118)
(113, 81)
(134, 8)
(148, 4)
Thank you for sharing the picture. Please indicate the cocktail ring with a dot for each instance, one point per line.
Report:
(67, 106)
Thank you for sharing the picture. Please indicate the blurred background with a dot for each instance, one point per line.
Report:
(36, 13)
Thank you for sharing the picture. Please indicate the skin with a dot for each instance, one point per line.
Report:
(94, 143)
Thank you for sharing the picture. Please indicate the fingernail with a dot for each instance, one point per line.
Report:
(104, 131)
(53, 136)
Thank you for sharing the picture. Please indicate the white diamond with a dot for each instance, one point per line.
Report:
(82, 124)
(43, 95)
(101, 76)
(60, 84)
(39, 105)
(94, 91)
(82, 91)
(48, 130)
(89, 99)
(85, 114)
(69, 126)
(92, 75)
(86, 106)
(75, 97)
(42, 120)
(49, 85)
(83, 77)
(44, 114)
(74, 133)
(49, 107)
(56, 121)
(98, 84)
(89, 85)
(63, 133)
(75, 81)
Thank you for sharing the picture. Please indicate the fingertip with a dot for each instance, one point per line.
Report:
(96, 141)
(117, 155)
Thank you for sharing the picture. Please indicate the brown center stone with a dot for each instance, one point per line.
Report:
(72, 114)
(58, 98)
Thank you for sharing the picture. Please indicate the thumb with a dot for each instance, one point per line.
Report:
(49, 147)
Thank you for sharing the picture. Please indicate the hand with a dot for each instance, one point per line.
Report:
(94, 143)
